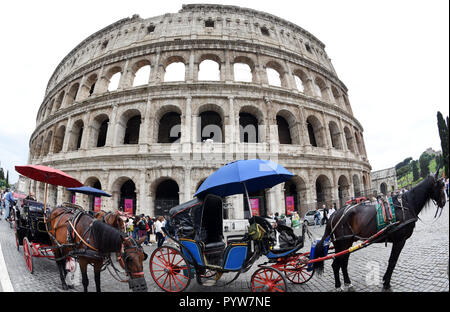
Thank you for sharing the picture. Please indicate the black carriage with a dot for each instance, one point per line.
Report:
(31, 232)
(197, 229)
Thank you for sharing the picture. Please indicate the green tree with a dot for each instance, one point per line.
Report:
(415, 170)
(2, 174)
(424, 162)
(444, 136)
(7, 178)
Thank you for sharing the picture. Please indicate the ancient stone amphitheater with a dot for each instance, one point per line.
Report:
(146, 109)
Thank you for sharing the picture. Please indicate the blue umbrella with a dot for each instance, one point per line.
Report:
(89, 191)
(242, 177)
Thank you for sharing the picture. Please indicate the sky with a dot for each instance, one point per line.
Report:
(393, 56)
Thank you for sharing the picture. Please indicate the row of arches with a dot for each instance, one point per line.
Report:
(210, 126)
(208, 67)
(165, 193)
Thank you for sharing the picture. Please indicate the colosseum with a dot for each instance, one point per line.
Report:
(146, 109)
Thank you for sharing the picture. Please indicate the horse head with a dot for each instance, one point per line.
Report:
(132, 259)
(438, 190)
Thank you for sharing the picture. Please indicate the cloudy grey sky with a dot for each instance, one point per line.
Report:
(393, 55)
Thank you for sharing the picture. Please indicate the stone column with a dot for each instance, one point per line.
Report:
(143, 202)
(125, 77)
(187, 184)
(190, 74)
(111, 134)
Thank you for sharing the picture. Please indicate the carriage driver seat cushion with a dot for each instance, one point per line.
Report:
(214, 252)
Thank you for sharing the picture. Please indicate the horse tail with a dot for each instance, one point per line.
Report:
(319, 250)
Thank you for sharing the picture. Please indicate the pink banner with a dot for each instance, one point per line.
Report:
(254, 203)
(289, 205)
(128, 209)
(73, 199)
(97, 203)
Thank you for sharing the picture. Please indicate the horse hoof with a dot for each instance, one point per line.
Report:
(71, 287)
(349, 287)
(387, 288)
(65, 287)
(339, 289)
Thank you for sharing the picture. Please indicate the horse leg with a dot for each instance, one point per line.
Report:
(397, 247)
(62, 269)
(84, 276)
(97, 270)
(347, 282)
(336, 265)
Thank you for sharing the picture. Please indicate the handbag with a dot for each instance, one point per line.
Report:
(152, 238)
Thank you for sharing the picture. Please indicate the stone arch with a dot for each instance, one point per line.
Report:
(99, 130)
(140, 73)
(315, 131)
(209, 68)
(335, 135)
(169, 127)
(384, 188)
(359, 143)
(165, 191)
(76, 135)
(343, 190)
(72, 94)
(58, 101)
(49, 108)
(356, 185)
(349, 139)
(59, 139)
(124, 188)
(297, 188)
(323, 189)
(46, 144)
(112, 77)
(93, 181)
(300, 80)
(128, 127)
(211, 118)
(288, 130)
(336, 95)
(321, 88)
(243, 69)
(272, 70)
(90, 83)
(174, 69)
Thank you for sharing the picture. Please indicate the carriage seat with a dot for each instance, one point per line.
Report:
(214, 252)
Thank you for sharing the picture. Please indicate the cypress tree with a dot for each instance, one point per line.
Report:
(415, 170)
(444, 136)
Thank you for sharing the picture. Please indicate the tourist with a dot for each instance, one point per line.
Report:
(446, 187)
(9, 202)
(317, 217)
(325, 215)
(160, 235)
(332, 210)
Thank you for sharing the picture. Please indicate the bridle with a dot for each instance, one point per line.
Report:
(125, 253)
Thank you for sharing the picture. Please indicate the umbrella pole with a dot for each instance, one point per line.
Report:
(248, 200)
(45, 206)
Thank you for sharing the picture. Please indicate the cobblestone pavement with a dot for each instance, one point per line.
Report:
(422, 266)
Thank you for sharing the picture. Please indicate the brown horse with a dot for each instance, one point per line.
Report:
(358, 222)
(76, 233)
(115, 219)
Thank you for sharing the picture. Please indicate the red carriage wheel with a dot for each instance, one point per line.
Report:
(267, 279)
(170, 269)
(28, 254)
(295, 270)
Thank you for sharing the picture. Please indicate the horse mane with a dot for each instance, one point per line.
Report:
(419, 195)
(107, 238)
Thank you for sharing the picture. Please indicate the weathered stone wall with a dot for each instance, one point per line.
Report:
(73, 109)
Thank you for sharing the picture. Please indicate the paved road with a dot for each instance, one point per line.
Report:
(422, 267)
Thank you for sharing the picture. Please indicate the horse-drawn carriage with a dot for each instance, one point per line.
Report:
(30, 232)
(197, 229)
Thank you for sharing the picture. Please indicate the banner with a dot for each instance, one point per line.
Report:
(128, 209)
(73, 199)
(289, 205)
(254, 203)
(97, 204)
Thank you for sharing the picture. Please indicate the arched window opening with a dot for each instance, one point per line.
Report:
(114, 82)
(248, 128)
(90, 84)
(323, 191)
(209, 70)
(102, 132)
(273, 77)
(343, 190)
(175, 72)
(132, 130)
(242, 72)
(284, 133)
(59, 139)
(58, 101)
(311, 134)
(356, 186)
(128, 196)
(335, 135)
(76, 136)
(211, 127)
(299, 84)
(166, 197)
(72, 94)
(349, 139)
(258, 204)
(169, 128)
(383, 188)
(142, 76)
(291, 197)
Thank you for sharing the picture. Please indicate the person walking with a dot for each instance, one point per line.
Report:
(160, 235)
(9, 202)
(332, 210)
(325, 215)
(317, 217)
